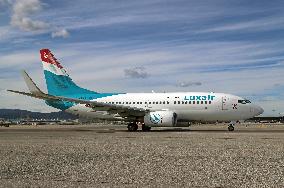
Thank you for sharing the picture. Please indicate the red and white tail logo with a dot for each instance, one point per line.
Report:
(48, 57)
(50, 63)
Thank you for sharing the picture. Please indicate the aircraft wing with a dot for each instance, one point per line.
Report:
(123, 111)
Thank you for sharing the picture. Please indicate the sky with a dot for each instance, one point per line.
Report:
(228, 46)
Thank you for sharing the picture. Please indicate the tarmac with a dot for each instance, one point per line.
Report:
(110, 156)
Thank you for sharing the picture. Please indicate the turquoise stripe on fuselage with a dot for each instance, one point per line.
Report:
(63, 105)
(60, 85)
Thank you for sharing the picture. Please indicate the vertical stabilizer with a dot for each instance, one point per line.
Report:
(58, 81)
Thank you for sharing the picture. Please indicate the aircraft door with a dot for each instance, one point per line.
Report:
(149, 104)
(225, 103)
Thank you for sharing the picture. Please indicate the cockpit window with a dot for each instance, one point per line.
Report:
(248, 101)
(244, 101)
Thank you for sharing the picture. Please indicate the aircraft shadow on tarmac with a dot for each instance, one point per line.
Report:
(114, 130)
(194, 131)
(159, 130)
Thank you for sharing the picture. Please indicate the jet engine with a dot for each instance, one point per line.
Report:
(161, 119)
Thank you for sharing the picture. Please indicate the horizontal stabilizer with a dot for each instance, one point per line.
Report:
(35, 95)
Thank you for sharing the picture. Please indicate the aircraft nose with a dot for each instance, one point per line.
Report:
(258, 110)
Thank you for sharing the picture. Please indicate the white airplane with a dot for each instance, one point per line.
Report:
(138, 109)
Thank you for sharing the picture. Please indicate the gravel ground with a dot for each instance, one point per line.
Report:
(108, 156)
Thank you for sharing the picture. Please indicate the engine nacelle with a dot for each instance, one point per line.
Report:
(161, 119)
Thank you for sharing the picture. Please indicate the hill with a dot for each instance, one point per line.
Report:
(23, 114)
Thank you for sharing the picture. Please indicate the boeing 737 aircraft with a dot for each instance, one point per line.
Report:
(138, 109)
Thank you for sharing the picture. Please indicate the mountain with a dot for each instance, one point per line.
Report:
(23, 114)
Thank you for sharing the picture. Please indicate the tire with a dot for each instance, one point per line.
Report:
(231, 128)
(132, 127)
(145, 128)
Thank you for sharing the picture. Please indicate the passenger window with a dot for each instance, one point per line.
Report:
(119, 102)
(185, 102)
(201, 102)
(193, 102)
(178, 102)
(175, 102)
(210, 102)
(182, 102)
(133, 102)
(168, 102)
(164, 102)
(126, 102)
(189, 102)
(149, 102)
(205, 102)
(197, 102)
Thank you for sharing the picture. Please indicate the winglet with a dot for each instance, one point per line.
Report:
(31, 85)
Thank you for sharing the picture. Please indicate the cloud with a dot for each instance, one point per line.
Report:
(60, 33)
(270, 23)
(17, 60)
(188, 84)
(5, 2)
(22, 10)
(136, 72)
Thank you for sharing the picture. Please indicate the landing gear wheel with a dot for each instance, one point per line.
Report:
(132, 127)
(231, 128)
(145, 127)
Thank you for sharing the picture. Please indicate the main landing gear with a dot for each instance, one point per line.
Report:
(133, 126)
(145, 127)
(231, 126)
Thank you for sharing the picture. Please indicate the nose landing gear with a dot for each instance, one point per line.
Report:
(231, 126)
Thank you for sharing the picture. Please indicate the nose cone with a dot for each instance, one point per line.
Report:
(258, 110)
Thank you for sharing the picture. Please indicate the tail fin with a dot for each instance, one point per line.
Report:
(58, 81)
